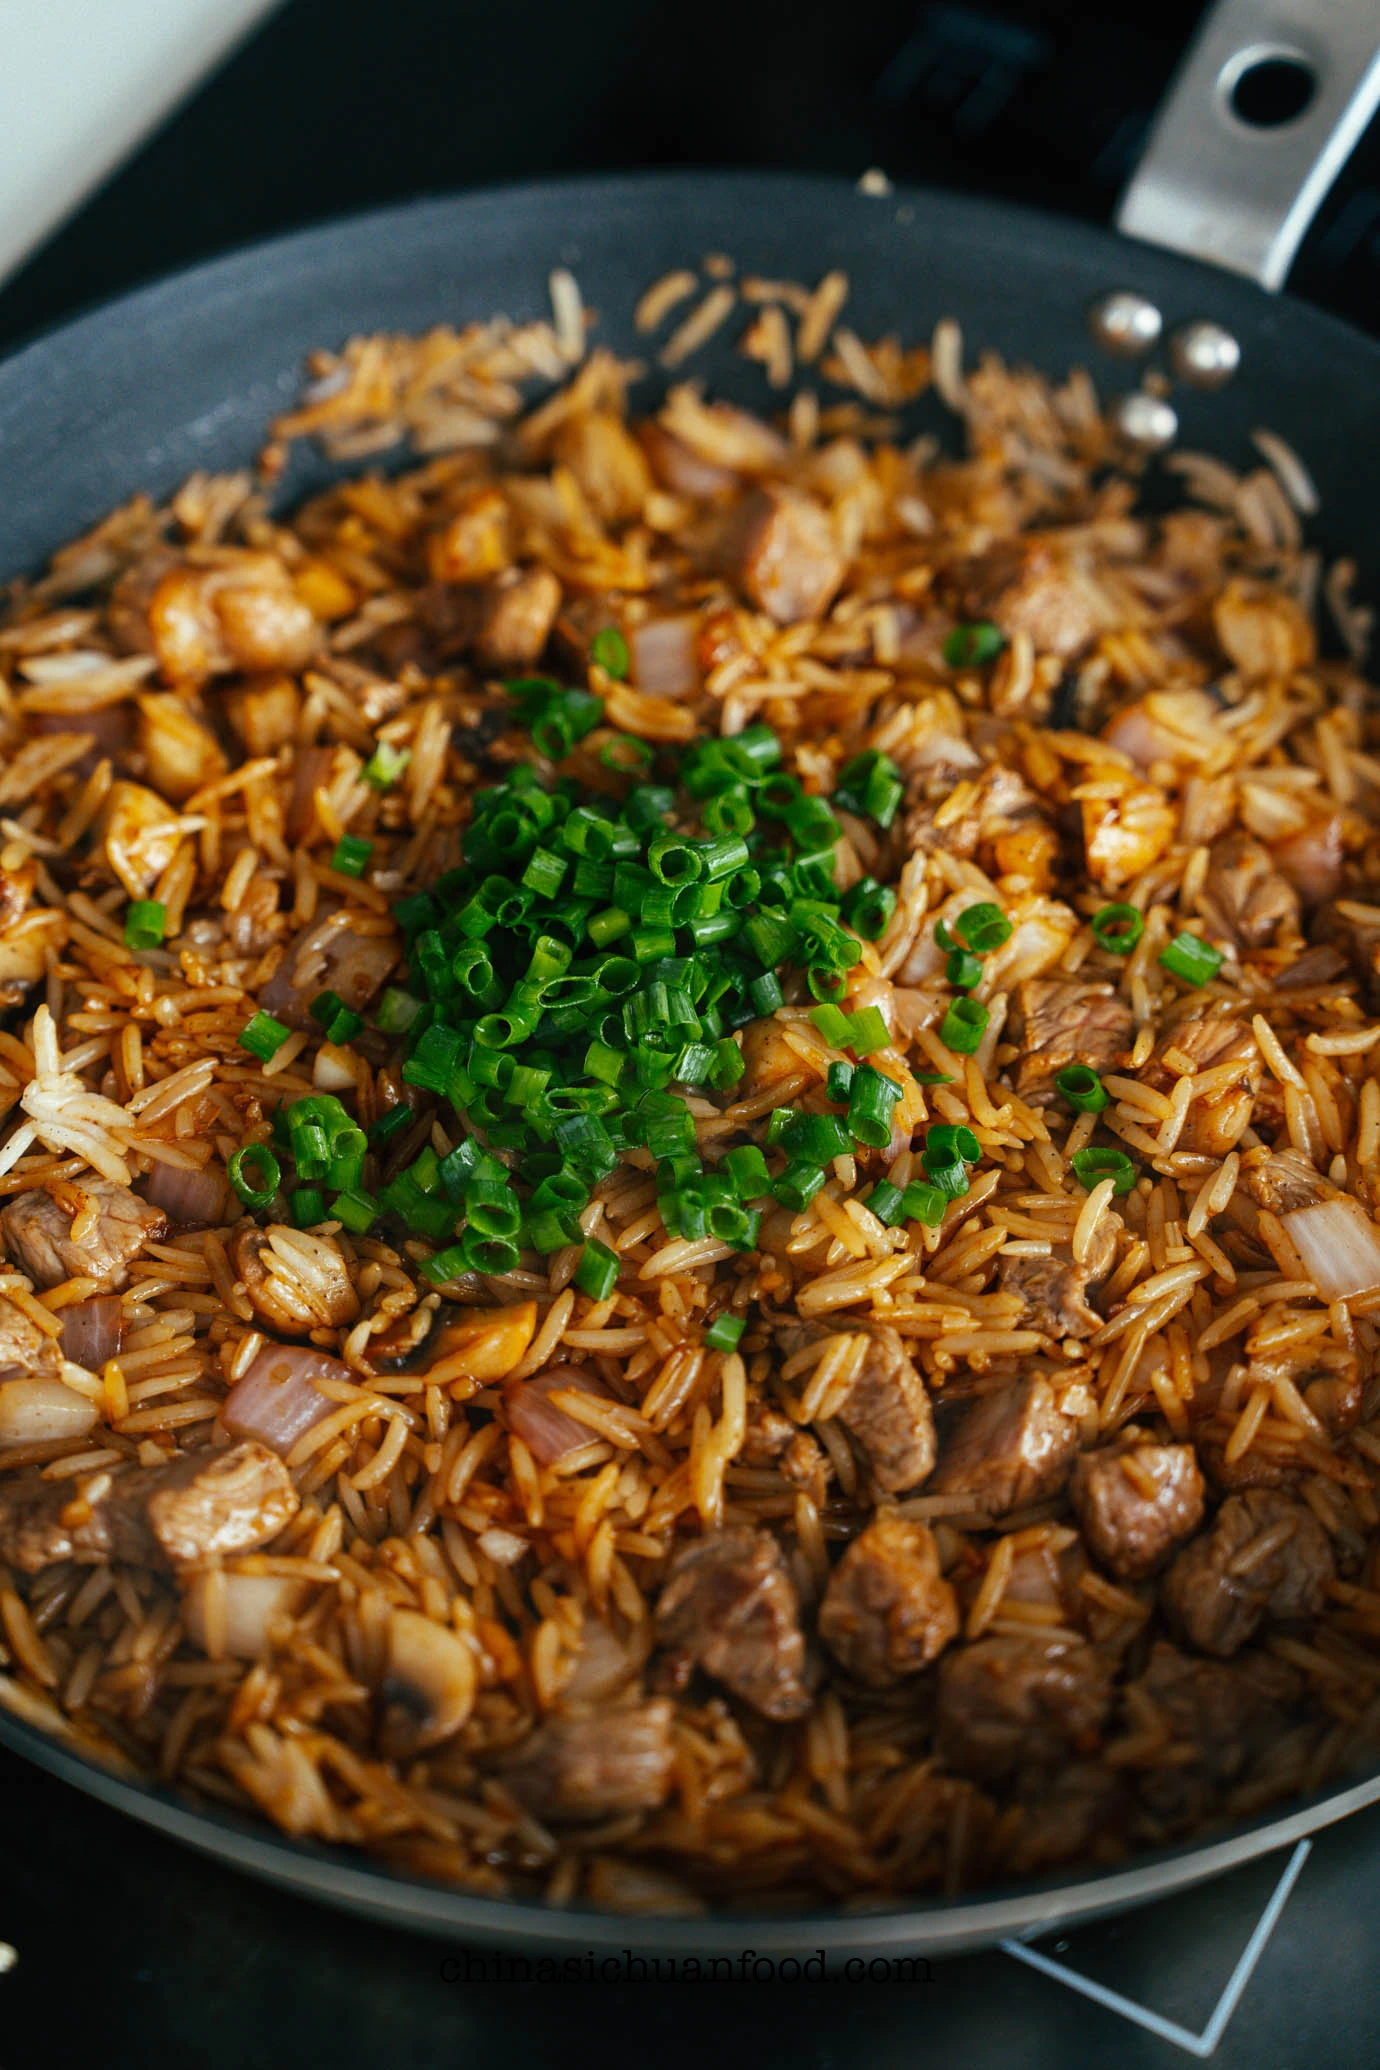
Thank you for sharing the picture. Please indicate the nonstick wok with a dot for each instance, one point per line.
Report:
(187, 373)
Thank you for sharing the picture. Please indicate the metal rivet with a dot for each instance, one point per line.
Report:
(1126, 323)
(1204, 354)
(1146, 421)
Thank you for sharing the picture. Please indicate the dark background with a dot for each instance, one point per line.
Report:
(336, 105)
(132, 1952)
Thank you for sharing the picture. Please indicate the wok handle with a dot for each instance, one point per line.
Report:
(1241, 195)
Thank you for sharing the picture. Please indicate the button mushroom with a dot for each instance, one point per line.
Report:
(296, 1282)
(428, 1685)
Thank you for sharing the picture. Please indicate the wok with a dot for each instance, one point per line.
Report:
(186, 374)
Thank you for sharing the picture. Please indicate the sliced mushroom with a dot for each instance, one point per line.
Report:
(295, 1281)
(428, 1687)
(456, 1343)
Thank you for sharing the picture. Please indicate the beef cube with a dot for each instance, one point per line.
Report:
(1135, 1505)
(781, 551)
(1244, 896)
(1282, 1182)
(1068, 1021)
(1008, 1703)
(1055, 1288)
(204, 1503)
(38, 1231)
(1031, 586)
(1217, 1121)
(26, 1351)
(887, 1412)
(516, 614)
(1081, 1810)
(729, 1604)
(773, 1440)
(595, 1763)
(1221, 1717)
(1265, 1556)
(888, 1611)
(1011, 1448)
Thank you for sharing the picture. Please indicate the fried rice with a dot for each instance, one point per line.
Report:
(900, 1535)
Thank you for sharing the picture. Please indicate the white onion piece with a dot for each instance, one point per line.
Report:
(549, 1433)
(91, 1331)
(194, 1200)
(664, 658)
(41, 1412)
(249, 1603)
(334, 1069)
(1338, 1246)
(1312, 860)
(604, 1664)
(275, 1400)
(1148, 733)
(682, 470)
(504, 1548)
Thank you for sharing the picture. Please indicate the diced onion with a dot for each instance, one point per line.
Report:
(237, 1625)
(91, 1331)
(1338, 1246)
(664, 661)
(194, 1200)
(41, 1412)
(549, 1433)
(275, 1400)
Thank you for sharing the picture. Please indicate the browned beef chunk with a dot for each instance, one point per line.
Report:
(204, 1503)
(1221, 1717)
(329, 957)
(1001, 801)
(1283, 1182)
(1009, 1703)
(782, 552)
(729, 1604)
(773, 1440)
(1030, 586)
(1068, 1021)
(887, 1411)
(1265, 1556)
(1078, 1811)
(1215, 1123)
(1011, 1448)
(26, 1352)
(1055, 1289)
(516, 614)
(38, 1232)
(1244, 896)
(888, 1610)
(595, 1763)
(1136, 1504)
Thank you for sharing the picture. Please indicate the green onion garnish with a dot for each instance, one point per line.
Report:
(597, 1272)
(1117, 929)
(385, 765)
(724, 1332)
(983, 928)
(351, 857)
(871, 786)
(1189, 957)
(1082, 1088)
(1092, 1166)
(973, 646)
(964, 1026)
(356, 1209)
(963, 971)
(797, 1186)
(925, 1204)
(262, 1195)
(308, 1207)
(871, 1098)
(263, 1037)
(867, 1031)
(146, 923)
(610, 650)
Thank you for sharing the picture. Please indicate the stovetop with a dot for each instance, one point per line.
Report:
(129, 1950)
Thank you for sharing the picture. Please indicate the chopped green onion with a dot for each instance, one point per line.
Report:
(964, 1026)
(1092, 1166)
(308, 1207)
(797, 1186)
(946, 1142)
(983, 928)
(445, 1266)
(868, 1031)
(868, 907)
(392, 1123)
(832, 1025)
(386, 765)
(260, 1196)
(871, 786)
(626, 753)
(925, 1204)
(356, 1209)
(871, 1098)
(973, 646)
(885, 1202)
(610, 650)
(817, 1138)
(963, 971)
(597, 1272)
(146, 923)
(351, 857)
(1189, 957)
(1117, 929)
(1082, 1088)
(838, 1082)
(263, 1037)
(746, 1169)
(724, 1332)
